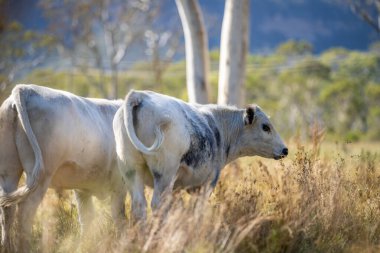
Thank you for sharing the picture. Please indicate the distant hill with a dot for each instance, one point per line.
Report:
(324, 23)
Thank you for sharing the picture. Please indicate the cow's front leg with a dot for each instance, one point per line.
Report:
(85, 210)
(215, 178)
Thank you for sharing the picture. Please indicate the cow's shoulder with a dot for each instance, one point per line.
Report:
(205, 138)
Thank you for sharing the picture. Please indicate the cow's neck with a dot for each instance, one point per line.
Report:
(231, 123)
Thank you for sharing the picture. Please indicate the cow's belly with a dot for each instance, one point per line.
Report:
(72, 176)
(189, 177)
(86, 160)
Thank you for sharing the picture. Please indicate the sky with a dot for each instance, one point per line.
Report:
(323, 23)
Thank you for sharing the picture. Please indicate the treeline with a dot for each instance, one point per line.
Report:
(337, 90)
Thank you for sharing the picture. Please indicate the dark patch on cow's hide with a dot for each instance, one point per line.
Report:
(130, 174)
(157, 175)
(216, 178)
(228, 150)
(198, 152)
(214, 128)
(194, 190)
(202, 139)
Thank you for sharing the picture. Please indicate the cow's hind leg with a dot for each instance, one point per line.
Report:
(134, 179)
(8, 184)
(138, 198)
(163, 180)
(7, 218)
(26, 211)
(85, 210)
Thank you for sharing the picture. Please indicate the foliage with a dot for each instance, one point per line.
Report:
(21, 50)
(353, 88)
(339, 89)
(292, 48)
(98, 34)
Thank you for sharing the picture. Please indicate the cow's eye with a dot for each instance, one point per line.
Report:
(266, 128)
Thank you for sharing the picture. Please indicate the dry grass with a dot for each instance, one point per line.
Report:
(320, 199)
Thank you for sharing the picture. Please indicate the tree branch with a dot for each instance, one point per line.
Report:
(356, 8)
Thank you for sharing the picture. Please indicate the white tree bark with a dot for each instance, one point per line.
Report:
(233, 50)
(197, 62)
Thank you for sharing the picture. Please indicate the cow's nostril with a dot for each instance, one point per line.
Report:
(285, 151)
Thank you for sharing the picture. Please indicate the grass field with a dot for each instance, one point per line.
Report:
(325, 197)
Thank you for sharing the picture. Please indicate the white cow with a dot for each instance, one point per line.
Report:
(61, 141)
(166, 143)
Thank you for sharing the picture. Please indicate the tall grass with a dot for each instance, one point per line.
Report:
(323, 198)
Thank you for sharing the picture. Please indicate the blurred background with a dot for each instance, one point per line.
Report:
(309, 62)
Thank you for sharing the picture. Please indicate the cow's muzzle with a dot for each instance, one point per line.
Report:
(284, 153)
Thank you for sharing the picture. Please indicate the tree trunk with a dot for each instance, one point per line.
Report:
(101, 84)
(114, 82)
(197, 62)
(158, 73)
(233, 50)
(70, 85)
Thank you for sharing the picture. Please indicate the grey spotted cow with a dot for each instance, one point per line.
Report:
(167, 143)
(58, 140)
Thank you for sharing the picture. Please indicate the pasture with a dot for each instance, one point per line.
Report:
(324, 197)
(312, 66)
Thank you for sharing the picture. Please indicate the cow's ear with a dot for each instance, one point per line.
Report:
(249, 116)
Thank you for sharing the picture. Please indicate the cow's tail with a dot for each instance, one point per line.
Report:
(33, 179)
(132, 100)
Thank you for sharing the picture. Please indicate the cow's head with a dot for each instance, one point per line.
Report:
(259, 137)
